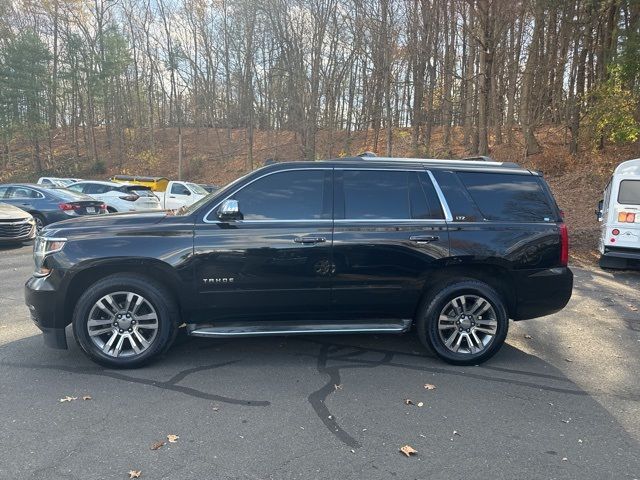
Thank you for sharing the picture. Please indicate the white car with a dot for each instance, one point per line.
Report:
(119, 197)
(55, 181)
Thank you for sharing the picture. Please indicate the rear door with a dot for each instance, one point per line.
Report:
(275, 263)
(626, 215)
(389, 234)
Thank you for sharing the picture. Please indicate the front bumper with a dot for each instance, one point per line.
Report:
(41, 299)
(542, 292)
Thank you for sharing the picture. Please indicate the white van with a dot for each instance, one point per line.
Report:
(619, 213)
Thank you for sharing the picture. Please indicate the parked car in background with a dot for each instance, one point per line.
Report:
(48, 205)
(119, 197)
(57, 181)
(181, 194)
(16, 225)
(157, 184)
(172, 194)
(619, 212)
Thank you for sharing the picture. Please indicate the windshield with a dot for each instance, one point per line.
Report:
(629, 193)
(197, 189)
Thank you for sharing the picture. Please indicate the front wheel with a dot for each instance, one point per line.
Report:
(124, 321)
(465, 323)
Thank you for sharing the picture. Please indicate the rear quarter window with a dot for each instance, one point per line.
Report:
(508, 197)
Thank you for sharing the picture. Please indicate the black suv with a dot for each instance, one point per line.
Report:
(451, 248)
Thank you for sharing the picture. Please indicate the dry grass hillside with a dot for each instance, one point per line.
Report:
(219, 156)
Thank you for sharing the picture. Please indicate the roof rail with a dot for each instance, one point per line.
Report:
(482, 158)
(469, 161)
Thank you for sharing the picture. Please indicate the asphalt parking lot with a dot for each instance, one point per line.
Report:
(561, 400)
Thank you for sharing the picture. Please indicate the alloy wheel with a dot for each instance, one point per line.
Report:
(467, 324)
(122, 324)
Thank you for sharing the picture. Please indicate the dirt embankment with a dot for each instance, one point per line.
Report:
(219, 155)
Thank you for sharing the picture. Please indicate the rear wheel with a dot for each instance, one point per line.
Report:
(124, 321)
(465, 323)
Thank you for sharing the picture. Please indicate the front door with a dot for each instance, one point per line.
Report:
(389, 234)
(274, 263)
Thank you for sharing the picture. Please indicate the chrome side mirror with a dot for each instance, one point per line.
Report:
(229, 210)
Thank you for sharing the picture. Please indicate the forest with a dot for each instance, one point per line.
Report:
(126, 70)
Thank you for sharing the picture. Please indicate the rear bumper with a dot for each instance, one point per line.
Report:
(619, 257)
(542, 292)
(41, 299)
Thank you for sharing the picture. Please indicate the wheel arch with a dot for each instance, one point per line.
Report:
(153, 269)
(497, 277)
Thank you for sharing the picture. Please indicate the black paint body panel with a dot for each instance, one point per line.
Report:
(239, 270)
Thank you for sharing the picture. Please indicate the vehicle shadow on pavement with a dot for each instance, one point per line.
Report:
(355, 392)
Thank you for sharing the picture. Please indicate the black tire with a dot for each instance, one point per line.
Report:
(40, 221)
(436, 302)
(157, 297)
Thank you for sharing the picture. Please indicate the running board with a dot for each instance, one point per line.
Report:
(258, 329)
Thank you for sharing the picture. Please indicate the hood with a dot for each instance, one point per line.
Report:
(9, 212)
(91, 223)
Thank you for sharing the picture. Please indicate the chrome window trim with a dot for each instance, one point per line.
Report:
(392, 220)
(206, 216)
(443, 201)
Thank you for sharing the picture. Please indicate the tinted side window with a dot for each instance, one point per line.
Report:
(3, 192)
(293, 195)
(179, 189)
(76, 188)
(370, 194)
(463, 209)
(629, 193)
(504, 197)
(22, 192)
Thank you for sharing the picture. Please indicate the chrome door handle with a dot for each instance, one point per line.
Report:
(309, 239)
(424, 238)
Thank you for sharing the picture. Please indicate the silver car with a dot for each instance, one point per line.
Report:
(16, 225)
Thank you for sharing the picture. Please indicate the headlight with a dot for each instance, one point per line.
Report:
(42, 247)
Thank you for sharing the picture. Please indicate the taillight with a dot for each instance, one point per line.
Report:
(68, 206)
(615, 231)
(130, 198)
(627, 217)
(564, 245)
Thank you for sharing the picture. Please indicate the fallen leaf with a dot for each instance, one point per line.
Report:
(337, 387)
(568, 360)
(429, 386)
(408, 401)
(455, 432)
(566, 421)
(633, 308)
(564, 459)
(68, 399)
(408, 450)
(172, 438)
(527, 336)
(157, 445)
(579, 440)
(420, 404)
(134, 473)
(87, 397)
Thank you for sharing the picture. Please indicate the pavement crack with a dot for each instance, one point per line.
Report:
(170, 384)
(318, 398)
